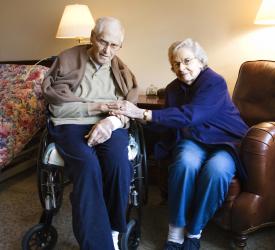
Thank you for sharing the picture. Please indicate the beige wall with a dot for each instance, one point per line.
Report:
(224, 28)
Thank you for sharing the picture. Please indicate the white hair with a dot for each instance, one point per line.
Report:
(103, 21)
(194, 46)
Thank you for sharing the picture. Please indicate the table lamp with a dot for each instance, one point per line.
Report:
(266, 13)
(76, 23)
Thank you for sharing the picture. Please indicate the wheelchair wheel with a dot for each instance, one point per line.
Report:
(49, 180)
(130, 240)
(40, 237)
(144, 169)
(50, 187)
(140, 164)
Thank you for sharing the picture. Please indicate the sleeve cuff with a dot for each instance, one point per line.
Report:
(156, 116)
(115, 121)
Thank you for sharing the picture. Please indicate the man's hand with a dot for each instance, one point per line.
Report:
(95, 108)
(102, 131)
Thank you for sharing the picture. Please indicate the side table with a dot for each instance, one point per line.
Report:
(151, 137)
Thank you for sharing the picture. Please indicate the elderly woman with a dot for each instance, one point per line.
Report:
(204, 130)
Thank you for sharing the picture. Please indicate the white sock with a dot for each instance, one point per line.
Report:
(176, 234)
(197, 236)
(115, 239)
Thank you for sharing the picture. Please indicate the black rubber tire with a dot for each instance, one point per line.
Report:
(43, 179)
(141, 177)
(130, 240)
(41, 174)
(39, 237)
(144, 166)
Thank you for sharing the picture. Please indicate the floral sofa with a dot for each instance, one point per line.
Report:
(22, 108)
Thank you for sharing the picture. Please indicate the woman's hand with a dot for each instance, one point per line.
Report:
(125, 108)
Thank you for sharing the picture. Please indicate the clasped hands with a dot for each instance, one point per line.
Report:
(120, 112)
(125, 108)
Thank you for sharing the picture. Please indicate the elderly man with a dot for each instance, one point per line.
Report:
(81, 82)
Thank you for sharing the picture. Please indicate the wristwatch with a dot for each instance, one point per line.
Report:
(145, 114)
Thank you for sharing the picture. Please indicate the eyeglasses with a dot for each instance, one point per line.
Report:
(104, 44)
(186, 62)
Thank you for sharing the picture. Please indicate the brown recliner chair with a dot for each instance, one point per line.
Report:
(250, 204)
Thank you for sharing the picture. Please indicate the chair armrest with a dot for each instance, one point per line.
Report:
(258, 156)
(255, 205)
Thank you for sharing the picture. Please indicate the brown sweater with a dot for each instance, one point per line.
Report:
(68, 69)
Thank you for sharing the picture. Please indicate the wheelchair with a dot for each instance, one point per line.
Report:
(51, 178)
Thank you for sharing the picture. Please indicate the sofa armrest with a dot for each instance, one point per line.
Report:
(258, 156)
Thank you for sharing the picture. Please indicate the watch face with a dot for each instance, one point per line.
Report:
(145, 115)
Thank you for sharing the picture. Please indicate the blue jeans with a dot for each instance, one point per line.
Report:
(198, 182)
(101, 178)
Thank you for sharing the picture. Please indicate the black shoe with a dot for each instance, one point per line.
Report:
(170, 245)
(191, 244)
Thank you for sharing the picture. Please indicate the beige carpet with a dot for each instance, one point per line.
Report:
(20, 209)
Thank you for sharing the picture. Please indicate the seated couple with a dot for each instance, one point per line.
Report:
(92, 94)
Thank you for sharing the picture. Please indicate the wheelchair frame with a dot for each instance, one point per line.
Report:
(51, 180)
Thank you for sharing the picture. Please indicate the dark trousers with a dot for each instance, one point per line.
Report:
(101, 177)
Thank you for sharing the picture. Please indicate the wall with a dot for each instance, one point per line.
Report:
(224, 28)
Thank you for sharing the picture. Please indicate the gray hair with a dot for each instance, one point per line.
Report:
(194, 46)
(103, 21)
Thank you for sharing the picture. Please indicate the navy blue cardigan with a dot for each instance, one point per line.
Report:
(202, 111)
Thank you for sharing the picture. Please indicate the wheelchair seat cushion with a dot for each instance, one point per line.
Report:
(51, 155)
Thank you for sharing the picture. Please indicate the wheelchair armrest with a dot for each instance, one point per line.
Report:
(258, 156)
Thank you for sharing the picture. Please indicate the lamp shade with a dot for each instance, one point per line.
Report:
(266, 13)
(76, 22)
